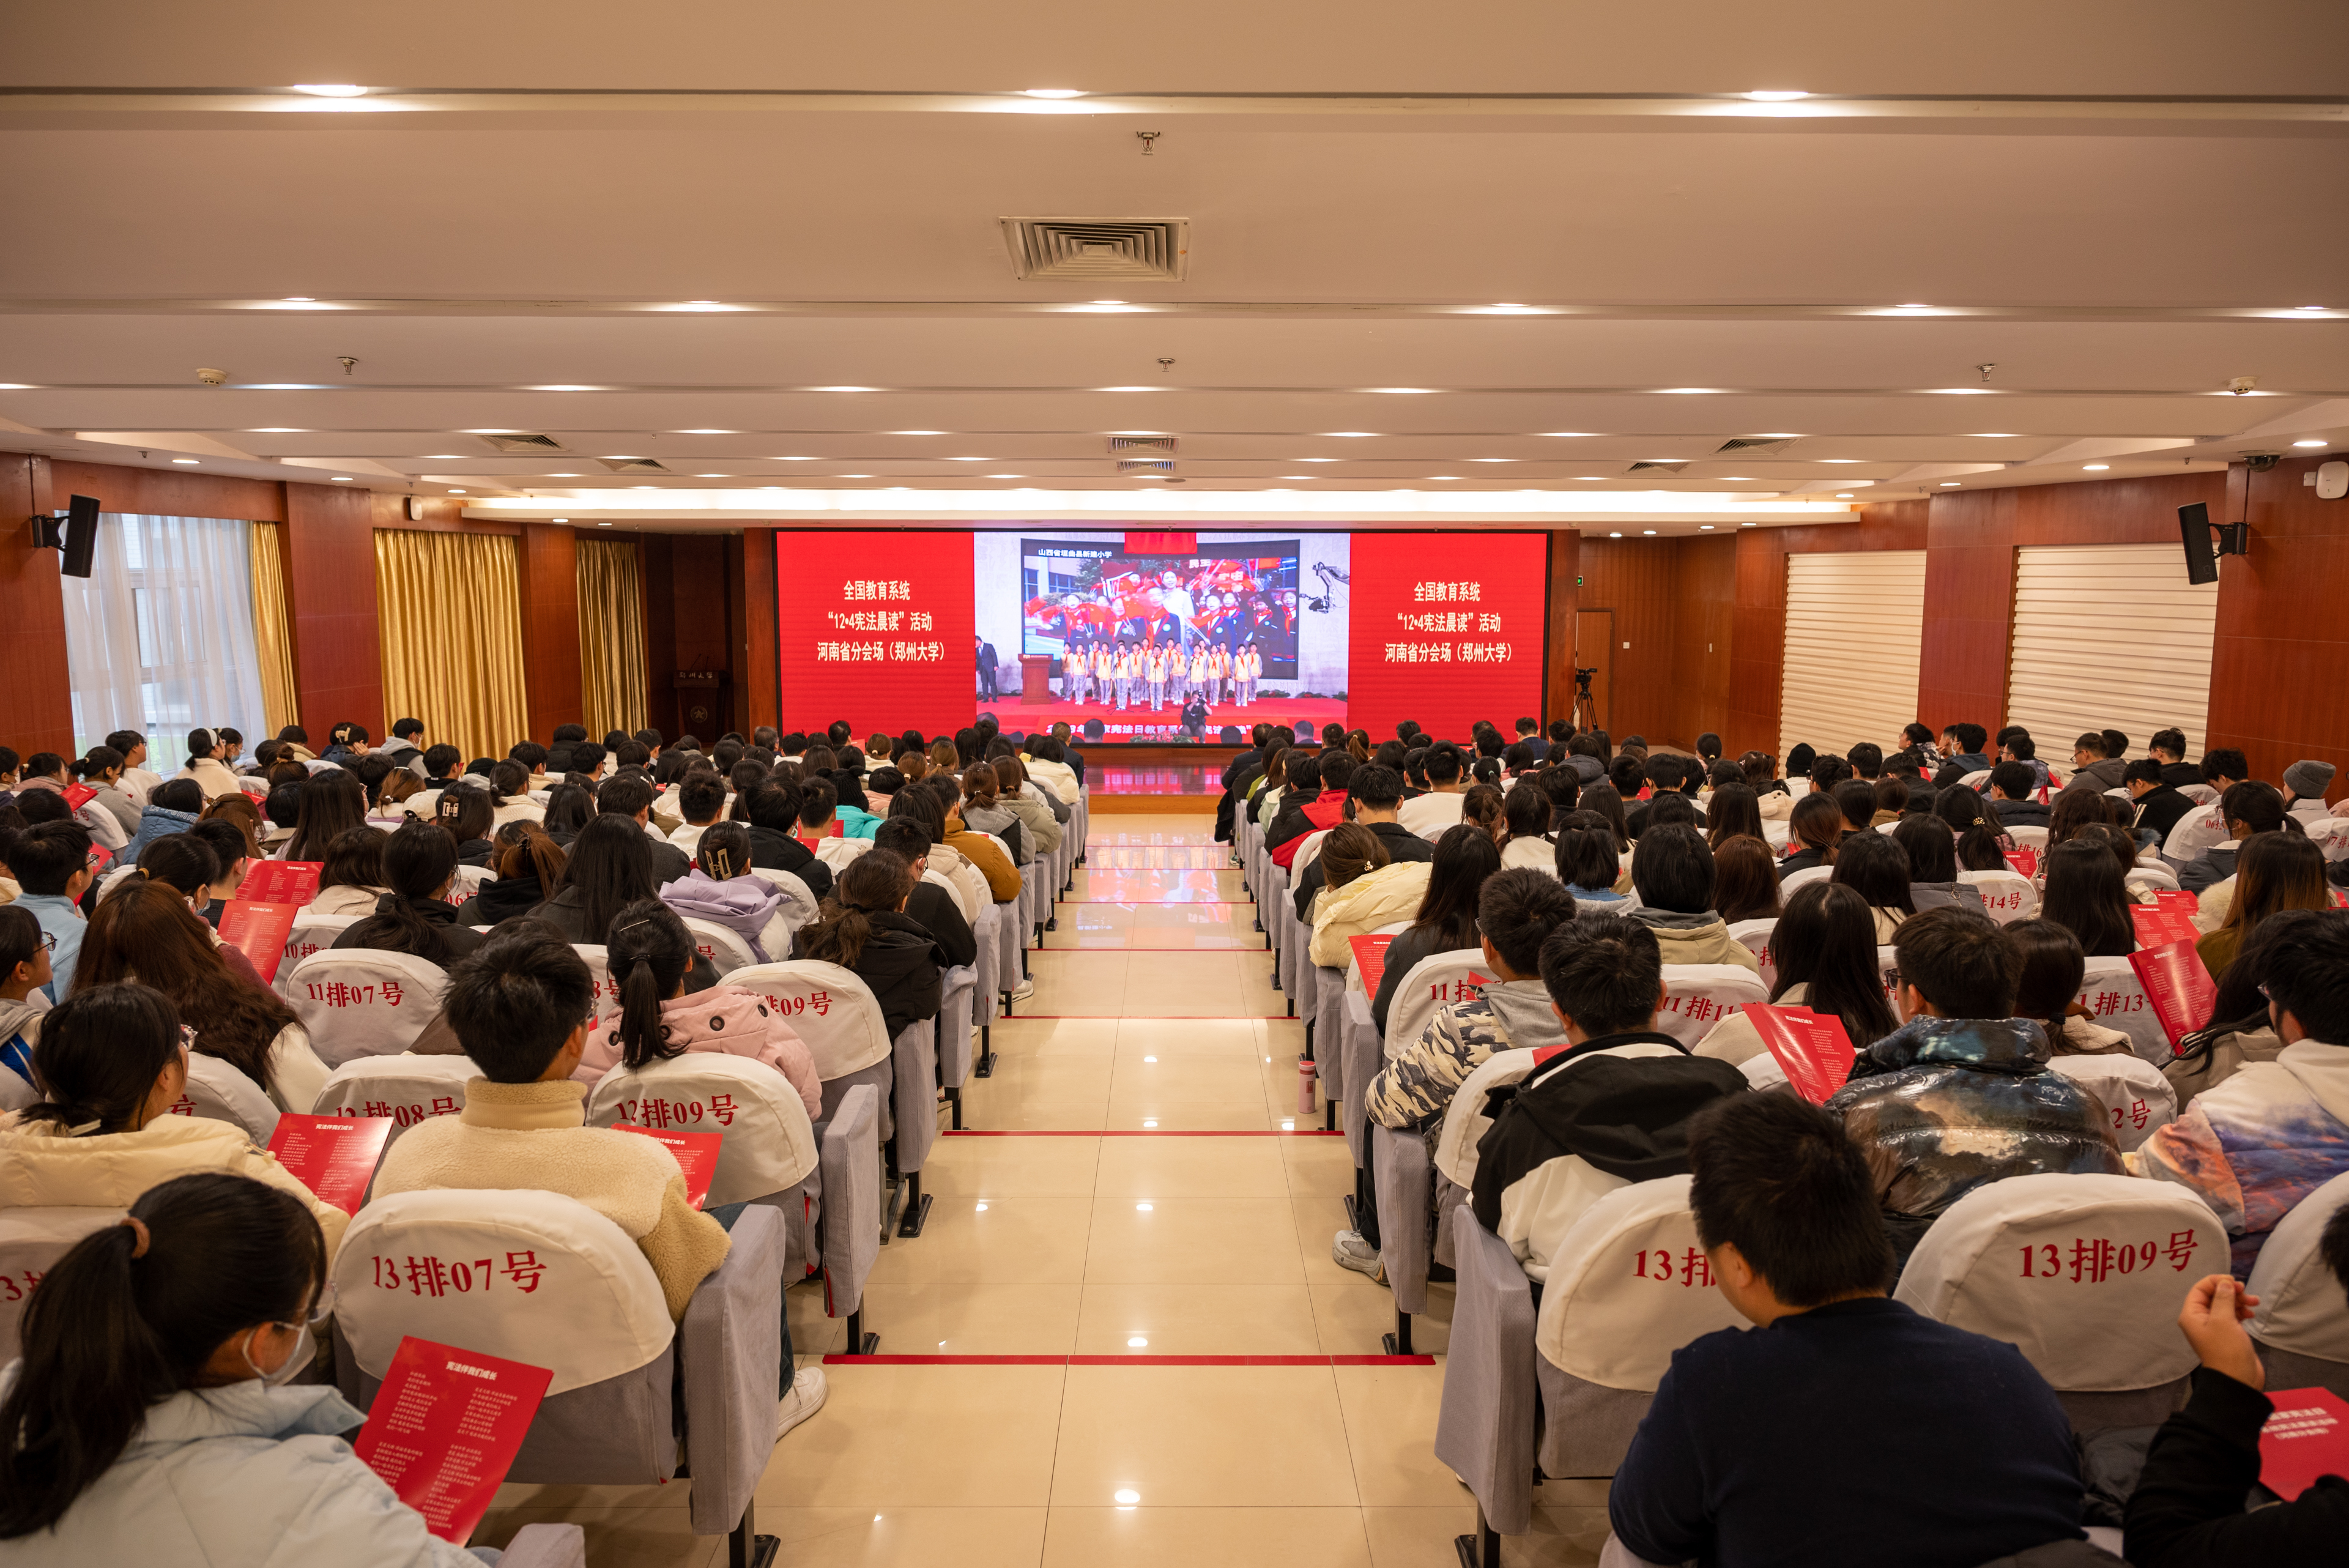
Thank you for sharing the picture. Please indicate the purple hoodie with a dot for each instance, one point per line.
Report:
(743, 905)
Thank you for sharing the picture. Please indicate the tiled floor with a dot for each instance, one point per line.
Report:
(1154, 1020)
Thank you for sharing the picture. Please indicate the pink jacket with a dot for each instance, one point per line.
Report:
(719, 1019)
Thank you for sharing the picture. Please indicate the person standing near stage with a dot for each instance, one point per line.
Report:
(986, 690)
(1199, 687)
(1155, 674)
(1219, 674)
(1245, 669)
(1105, 670)
(1073, 669)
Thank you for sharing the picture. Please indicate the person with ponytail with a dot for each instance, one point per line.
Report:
(207, 764)
(983, 813)
(464, 813)
(351, 880)
(720, 887)
(152, 1418)
(345, 741)
(510, 785)
(1525, 840)
(650, 954)
(111, 1062)
(413, 914)
(190, 865)
(2275, 871)
(101, 769)
(863, 928)
(1982, 845)
(528, 865)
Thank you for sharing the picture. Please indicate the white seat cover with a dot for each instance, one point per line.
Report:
(362, 1002)
(2143, 876)
(2110, 988)
(2195, 832)
(2137, 1099)
(1435, 981)
(725, 950)
(827, 1006)
(471, 880)
(1306, 854)
(1803, 879)
(1754, 936)
(1976, 781)
(1464, 1121)
(2007, 896)
(218, 1092)
(1888, 970)
(311, 933)
(2200, 793)
(1629, 1285)
(2331, 834)
(534, 1277)
(799, 906)
(606, 990)
(2301, 1307)
(2109, 1259)
(31, 1242)
(770, 1145)
(406, 1087)
(1698, 995)
(2030, 837)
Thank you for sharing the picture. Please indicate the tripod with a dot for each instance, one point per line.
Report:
(1586, 709)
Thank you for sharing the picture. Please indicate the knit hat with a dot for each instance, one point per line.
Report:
(1798, 761)
(2307, 778)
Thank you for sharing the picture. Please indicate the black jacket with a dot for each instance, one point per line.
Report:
(1800, 860)
(2177, 776)
(380, 931)
(779, 851)
(2188, 1511)
(2161, 809)
(1958, 767)
(1402, 843)
(2017, 813)
(1625, 1115)
(566, 912)
(475, 852)
(899, 965)
(502, 899)
(934, 908)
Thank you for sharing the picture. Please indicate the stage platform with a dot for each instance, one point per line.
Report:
(1138, 725)
(1156, 778)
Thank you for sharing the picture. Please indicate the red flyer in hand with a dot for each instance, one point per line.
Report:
(2179, 988)
(2177, 899)
(2307, 1436)
(281, 881)
(1370, 957)
(697, 1155)
(259, 932)
(2024, 860)
(1812, 1047)
(79, 794)
(446, 1426)
(2159, 928)
(333, 1157)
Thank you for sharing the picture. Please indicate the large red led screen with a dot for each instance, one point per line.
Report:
(1446, 628)
(876, 629)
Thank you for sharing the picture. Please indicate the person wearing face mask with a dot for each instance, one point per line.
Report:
(113, 1061)
(153, 1419)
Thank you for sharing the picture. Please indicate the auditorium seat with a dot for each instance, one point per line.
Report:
(1754, 936)
(725, 949)
(2111, 990)
(311, 933)
(361, 1002)
(2007, 896)
(31, 1241)
(2301, 1324)
(2136, 1097)
(1436, 980)
(1698, 996)
(1792, 880)
(218, 1092)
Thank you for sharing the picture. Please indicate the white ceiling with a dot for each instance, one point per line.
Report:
(526, 206)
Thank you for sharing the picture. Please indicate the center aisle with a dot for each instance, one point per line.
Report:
(1138, 1193)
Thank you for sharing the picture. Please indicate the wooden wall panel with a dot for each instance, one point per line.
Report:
(1703, 637)
(2275, 690)
(547, 563)
(36, 691)
(170, 492)
(1558, 664)
(330, 608)
(1968, 609)
(757, 664)
(1635, 580)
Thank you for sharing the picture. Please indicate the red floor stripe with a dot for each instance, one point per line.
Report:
(1129, 1361)
(1141, 1132)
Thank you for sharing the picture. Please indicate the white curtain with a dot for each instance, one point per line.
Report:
(159, 636)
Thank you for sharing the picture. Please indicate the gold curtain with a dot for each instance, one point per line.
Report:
(270, 636)
(611, 636)
(449, 606)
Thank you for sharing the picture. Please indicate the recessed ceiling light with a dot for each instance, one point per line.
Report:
(456, 493)
(2096, 467)
(843, 389)
(188, 461)
(558, 519)
(2312, 444)
(1315, 460)
(1402, 392)
(1687, 392)
(1349, 435)
(1960, 392)
(1776, 94)
(1442, 477)
(705, 432)
(1007, 476)
(1746, 525)
(1565, 435)
(1614, 535)
(1130, 389)
(1051, 92)
(1591, 477)
(330, 89)
(562, 476)
(970, 460)
(709, 476)
(1128, 1496)
(795, 460)
(644, 487)
(701, 305)
(1843, 496)
(1296, 476)
(1142, 1208)
(1841, 460)
(1913, 307)
(1738, 478)
(1109, 302)
(1492, 460)
(1948, 484)
(342, 478)
(277, 430)
(561, 387)
(917, 432)
(1647, 530)
(1995, 435)
(855, 476)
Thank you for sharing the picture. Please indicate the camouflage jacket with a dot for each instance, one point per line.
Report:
(1413, 1090)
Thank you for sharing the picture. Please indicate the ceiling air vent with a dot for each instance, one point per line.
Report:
(1144, 465)
(1149, 250)
(633, 464)
(1142, 443)
(1754, 446)
(522, 440)
(1655, 468)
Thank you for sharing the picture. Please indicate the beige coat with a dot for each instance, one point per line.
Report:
(1058, 777)
(1708, 943)
(1375, 898)
(212, 777)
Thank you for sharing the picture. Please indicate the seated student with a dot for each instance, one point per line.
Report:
(152, 1420)
(1960, 1094)
(234, 840)
(701, 801)
(2095, 769)
(112, 1061)
(2158, 803)
(1890, 798)
(24, 969)
(610, 867)
(1304, 805)
(510, 785)
(1933, 866)
(1825, 950)
(1857, 801)
(1962, 753)
(2274, 1131)
(2015, 744)
(1376, 796)
(174, 806)
(1815, 828)
(1672, 871)
(2168, 748)
(115, 812)
(1785, 1214)
(1826, 773)
(2014, 791)
(331, 804)
(1038, 820)
(2086, 895)
(981, 810)
(1590, 860)
(1877, 868)
(1525, 838)
(723, 889)
(650, 955)
(529, 866)
(2305, 783)
(2047, 990)
(2189, 1510)
(187, 866)
(50, 862)
(934, 904)
(351, 880)
(2248, 808)
(920, 805)
(1744, 880)
(1446, 918)
(2275, 871)
(1611, 1109)
(1981, 843)
(1430, 814)
(1364, 889)
(1003, 877)
(773, 813)
(864, 928)
(419, 867)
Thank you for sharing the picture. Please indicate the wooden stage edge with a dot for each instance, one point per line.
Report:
(1155, 805)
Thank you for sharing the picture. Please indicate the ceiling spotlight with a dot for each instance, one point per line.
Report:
(2312, 444)
(855, 476)
(1051, 92)
(1591, 477)
(1647, 530)
(1350, 435)
(1948, 484)
(342, 478)
(563, 476)
(1738, 478)
(330, 89)
(277, 430)
(843, 389)
(709, 476)
(1563, 435)
(706, 433)
(1492, 460)
(1775, 95)
(456, 493)
(188, 461)
(1296, 476)
(1614, 535)
(2096, 467)
(1843, 496)
(1007, 476)
(1442, 477)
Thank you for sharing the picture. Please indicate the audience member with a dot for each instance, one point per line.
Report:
(1672, 871)
(1524, 839)
(51, 864)
(864, 928)
(418, 868)
(1877, 868)
(1429, 815)
(2155, 802)
(935, 903)
(1824, 948)
(2087, 896)
(528, 865)
(1815, 828)
(2095, 769)
(1365, 890)
(2013, 794)
(2246, 808)
(2167, 747)
(1745, 879)
(331, 804)
(171, 807)
(1783, 1208)
(1933, 866)
(1375, 795)
(1589, 860)
(2275, 871)
(1446, 918)
(1981, 843)
(2047, 990)
(23, 971)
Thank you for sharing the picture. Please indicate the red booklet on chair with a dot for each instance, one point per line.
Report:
(1811, 1046)
(2177, 900)
(1371, 957)
(259, 932)
(697, 1155)
(2158, 927)
(333, 1157)
(2179, 988)
(281, 881)
(2307, 1436)
(446, 1426)
(2024, 860)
